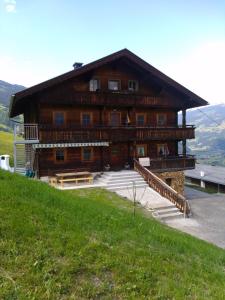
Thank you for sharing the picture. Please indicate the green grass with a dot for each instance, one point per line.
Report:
(86, 244)
(6, 144)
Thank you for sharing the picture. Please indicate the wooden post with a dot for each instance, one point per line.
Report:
(184, 118)
(184, 147)
(184, 126)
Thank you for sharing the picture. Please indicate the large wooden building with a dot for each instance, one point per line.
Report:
(103, 115)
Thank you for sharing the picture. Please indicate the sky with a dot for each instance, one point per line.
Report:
(41, 39)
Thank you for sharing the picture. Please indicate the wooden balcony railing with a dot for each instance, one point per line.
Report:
(162, 188)
(171, 163)
(106, 98)
(114, 134)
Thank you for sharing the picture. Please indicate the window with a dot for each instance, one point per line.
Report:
(162, 150)
(59, 118)
(94, 85)
(161, 119)
(169, 181)
(140, 119)
(86, 119)
(141, 150)
(113, 85)
(132, 85)
(115, 118)
(87, 154)
(59, 155)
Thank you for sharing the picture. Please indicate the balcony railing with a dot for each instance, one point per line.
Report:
(25, 132)
(172, 163)
(114, 134)
(162, 188)
(101, 98)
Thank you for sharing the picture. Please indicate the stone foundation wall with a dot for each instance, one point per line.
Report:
(174, 179)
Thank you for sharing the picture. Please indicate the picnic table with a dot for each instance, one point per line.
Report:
(74, 176)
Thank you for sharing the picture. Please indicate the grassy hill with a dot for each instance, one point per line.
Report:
(86, 244)
(6, 144)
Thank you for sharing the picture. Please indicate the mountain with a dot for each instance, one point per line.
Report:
(209, 144)
(6, 91)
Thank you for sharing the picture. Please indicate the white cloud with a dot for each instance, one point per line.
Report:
(202, 71)
(10, 6)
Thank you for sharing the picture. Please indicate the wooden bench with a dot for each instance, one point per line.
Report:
(53, 181)
(76, 180)
(74, 177)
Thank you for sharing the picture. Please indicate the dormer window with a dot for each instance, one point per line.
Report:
(94, 85)
(114, 85)
(132, 85)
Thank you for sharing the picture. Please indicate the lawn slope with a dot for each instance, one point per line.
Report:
(6, 144)
(87, 245)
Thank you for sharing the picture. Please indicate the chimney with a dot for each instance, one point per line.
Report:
(77, 65)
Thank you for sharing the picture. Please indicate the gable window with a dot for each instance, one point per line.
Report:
(132, 85)
(140, 119)
(94, 85)
(141, 150)
(86, 119)
(113, 85)
(161, 119)
(87, 154)
(162, 150)
(59, 118)
(59, 155)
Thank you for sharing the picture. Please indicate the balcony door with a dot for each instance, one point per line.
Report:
(115, 118)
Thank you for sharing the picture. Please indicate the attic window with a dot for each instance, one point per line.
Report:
(94, 85)
(113, 85)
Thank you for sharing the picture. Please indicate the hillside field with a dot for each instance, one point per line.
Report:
(6, 144)
(86, 244)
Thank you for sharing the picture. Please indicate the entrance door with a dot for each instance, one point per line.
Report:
(116, 157)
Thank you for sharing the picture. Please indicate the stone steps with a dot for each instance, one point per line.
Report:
(122, 180)
(167, 213)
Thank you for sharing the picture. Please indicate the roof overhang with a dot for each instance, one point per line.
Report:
(194, 99)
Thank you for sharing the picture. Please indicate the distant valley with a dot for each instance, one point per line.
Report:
(208, 146)
(6, 90)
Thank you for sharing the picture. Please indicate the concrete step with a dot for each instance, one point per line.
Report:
(120, 174)
(169, 216)
(121, 181)
(122, 187)
(165, 211)
(112, 178)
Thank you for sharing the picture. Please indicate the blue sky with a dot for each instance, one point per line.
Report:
(184, 39)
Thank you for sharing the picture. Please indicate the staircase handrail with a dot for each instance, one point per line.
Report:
(163, 189)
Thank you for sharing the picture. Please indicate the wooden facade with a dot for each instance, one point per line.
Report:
(119, 100)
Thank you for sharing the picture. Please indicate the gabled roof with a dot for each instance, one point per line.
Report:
(98, 63)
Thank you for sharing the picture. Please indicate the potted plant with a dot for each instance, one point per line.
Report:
(107, 167)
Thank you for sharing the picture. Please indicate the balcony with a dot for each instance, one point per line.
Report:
(51, 134)
(26, 133)
(170, 164)
(100, 98)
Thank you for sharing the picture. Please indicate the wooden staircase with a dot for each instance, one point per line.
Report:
(163, 189)
(24, 155)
